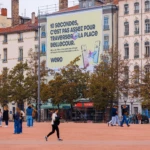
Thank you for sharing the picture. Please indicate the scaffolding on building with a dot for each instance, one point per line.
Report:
(49, 9)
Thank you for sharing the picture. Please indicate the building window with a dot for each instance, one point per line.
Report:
(147, 49)
(84, 4)
(91, 3)
(5, 39)
(126, 9)
(147, 26)
(136, 50)
(20, 58)
(136, 7)
(43, 51)
(136, 24)
(126, 51)
(126, 74)
(106, 23)
(43, 31)
(147, 69)
(136, 71)
(106, 42)
(147, 6)
(20, 39)
(36, 35)
(5, 55)
(126, 26)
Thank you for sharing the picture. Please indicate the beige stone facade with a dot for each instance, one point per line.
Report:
(134, 39)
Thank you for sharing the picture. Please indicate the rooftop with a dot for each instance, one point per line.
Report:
(27, 26)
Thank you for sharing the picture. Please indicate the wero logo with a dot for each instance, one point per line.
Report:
(56, 59)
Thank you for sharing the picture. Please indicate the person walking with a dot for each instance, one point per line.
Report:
(124, 114)
(1, 117)
(5, 115)
(117, 117)
(112, 122)
(55, 123)
(34, 114)
(17, 122)
(29, 111)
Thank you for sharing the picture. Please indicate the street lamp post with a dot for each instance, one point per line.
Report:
(131, 101)
(38, 104)
(125, 101)
(39, 99)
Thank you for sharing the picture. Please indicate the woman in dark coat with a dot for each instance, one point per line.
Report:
(5, 116)
(17, 122)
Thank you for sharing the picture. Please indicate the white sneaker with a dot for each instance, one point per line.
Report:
(5, 126)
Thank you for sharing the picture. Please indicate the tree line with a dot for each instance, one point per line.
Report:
(109, 81)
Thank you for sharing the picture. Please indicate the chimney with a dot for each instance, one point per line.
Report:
(63, 4)
(15, 12)
(33, 17)
(3, 12)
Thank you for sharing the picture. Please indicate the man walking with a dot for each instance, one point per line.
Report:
(29, 111)
(112, 122)
(124, 114)
(117, 117)
(55, 123)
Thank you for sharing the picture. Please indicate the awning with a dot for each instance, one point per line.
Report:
(51, 106)
(85, 105)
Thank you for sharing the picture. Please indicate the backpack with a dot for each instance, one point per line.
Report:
(57, 121)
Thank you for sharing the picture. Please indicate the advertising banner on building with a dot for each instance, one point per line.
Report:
(74, 34)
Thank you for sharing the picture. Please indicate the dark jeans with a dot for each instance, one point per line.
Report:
(54, 127)
(124, 120)
(6, 122)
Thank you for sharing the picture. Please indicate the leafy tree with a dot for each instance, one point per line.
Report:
(4, 87)
(107, 82)
(32, 75)
(70, 84)
(19, 91)
(101, 86)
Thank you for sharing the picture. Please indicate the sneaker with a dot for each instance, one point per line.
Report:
(5, 126)
(59, 139)
(121, 126)
(46, 138)
(128, 125)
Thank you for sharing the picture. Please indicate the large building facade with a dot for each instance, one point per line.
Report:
(134, 41)
(103, 20)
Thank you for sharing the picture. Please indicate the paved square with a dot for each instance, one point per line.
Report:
(77, 136)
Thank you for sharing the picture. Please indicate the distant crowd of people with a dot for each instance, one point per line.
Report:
(137, 118)
(31, 114)
(18, 117)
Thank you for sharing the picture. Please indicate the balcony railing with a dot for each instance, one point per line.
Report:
(136, 11)
(147, 9)
(20, 58)
(136, 32)
(4, 60)
(106, 27)
(126, 12)
(126, 33)
(147, 55)
(147, 31)
(20, 40)
(126, 57)
(136, 56)
(106, 47)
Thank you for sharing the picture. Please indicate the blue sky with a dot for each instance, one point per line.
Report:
(29, 6)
